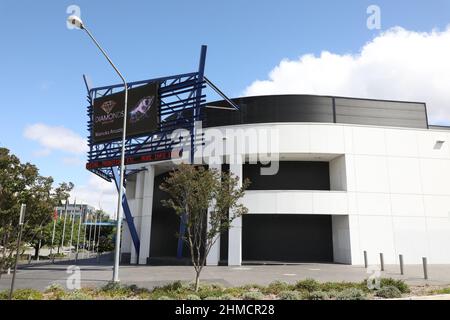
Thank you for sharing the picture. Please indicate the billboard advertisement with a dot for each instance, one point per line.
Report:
(142, 113)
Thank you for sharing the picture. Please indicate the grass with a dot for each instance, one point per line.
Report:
(308, 289)
(442, 291)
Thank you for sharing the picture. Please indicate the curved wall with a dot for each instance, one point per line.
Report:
(308, 108)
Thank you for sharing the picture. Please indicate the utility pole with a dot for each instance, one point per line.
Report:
(79, 231)
(64, 226)
(71, 231)
(19, 239)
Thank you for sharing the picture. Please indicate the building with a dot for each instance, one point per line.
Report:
(354, 175)
(74, 210)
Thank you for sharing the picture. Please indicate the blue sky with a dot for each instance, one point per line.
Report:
(42, 62)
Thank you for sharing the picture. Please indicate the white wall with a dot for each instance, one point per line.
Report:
(341, 239)
(397, 187)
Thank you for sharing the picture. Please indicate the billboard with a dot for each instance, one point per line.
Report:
(142, 113)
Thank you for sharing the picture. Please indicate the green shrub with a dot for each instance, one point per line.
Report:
(192, 297)
(56, 291)
(340, 286)
(164, 298)
(351, 294)
(27, 294)
(212, 298)
(276, 287)
(289, 295)
(399, 284)
(318, 295)
(388, 292)
(439, 291)
(54, 287)
(117, 290)
(227, 296)
(308, 285)
(176, 286)
(4, 295)
(78, 295)
(253, 295)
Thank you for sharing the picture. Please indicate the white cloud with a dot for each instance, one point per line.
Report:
(398, 64)
(97, 193)
(56, 138)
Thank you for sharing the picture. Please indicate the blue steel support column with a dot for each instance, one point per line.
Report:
(127, 212)
(198, 96)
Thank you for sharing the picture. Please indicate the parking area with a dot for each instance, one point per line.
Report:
(98, 273)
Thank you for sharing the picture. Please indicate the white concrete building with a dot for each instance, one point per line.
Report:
(354, 175)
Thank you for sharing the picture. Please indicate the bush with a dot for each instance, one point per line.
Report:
(77, 295)
(192, 297)
(212, 298)
(115, 289)
(308, 285)
(227, 296)
(319, 295)
(389, 292)
(54, 287)
(289, 295)
(340, 286)
(56, 290)
(253, 295)
(277, 286)
(27, 294)
(351, 294)
(4, 295)
(164, 298)
(439, 291)
(399, 284)
(175, 286)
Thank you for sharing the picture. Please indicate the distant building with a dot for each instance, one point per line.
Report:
(75, 209)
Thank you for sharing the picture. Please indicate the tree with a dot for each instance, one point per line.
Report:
(21, 183)
(193, 192)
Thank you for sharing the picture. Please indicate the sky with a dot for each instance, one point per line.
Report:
(254, 48)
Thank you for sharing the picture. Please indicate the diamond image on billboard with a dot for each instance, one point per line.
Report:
(142, 114)
(142, 109)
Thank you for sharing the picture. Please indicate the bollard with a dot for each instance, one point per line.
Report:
(366, 264)
(29, 258)
(425, 268)
(9, 271)
(382, 261)
(400, 257)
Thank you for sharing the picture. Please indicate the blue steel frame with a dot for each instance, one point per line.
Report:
(181, 101)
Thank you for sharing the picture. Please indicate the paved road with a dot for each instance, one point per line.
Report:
(41, 275)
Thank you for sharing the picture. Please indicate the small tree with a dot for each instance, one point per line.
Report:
(193, 192)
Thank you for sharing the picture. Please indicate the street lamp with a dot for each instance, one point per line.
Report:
(77, 22)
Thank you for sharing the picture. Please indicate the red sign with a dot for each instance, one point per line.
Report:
(152, 157)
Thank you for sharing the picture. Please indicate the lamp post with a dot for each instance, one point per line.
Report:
(66, 202)
(77, 22)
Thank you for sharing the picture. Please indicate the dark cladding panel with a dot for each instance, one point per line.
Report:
(266, 109)
(308, 108)
(292, 175)
(287, 238)
(381, 113)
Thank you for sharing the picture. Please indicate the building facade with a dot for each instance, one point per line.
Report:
(353, 175)
(74, 210)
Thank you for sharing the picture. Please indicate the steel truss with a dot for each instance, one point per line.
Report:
(181, 100)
